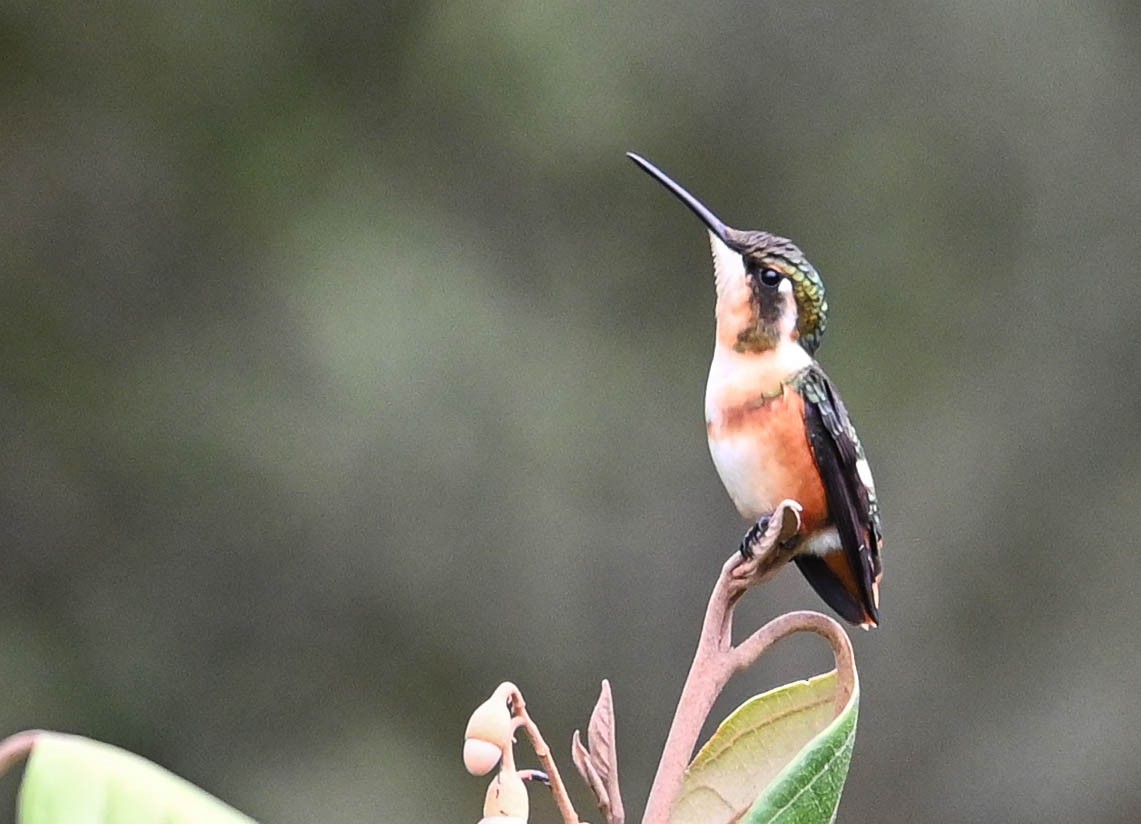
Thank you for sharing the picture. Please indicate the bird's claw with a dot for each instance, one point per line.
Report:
(753, 537)
(769, 543)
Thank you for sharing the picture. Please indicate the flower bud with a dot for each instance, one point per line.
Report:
(488, 733)
(480, 757)
(507, 797)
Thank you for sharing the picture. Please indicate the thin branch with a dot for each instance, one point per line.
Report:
(717, 660)
(558, 788)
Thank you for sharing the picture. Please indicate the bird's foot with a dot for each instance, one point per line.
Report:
(753, 537)
(769, 543)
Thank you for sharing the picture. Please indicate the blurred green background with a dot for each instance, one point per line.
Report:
(349, 368)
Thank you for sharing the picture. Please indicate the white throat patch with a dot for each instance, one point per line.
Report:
(728, 266)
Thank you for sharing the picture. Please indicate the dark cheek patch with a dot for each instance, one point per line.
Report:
(763, 330)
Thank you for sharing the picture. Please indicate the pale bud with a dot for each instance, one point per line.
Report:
(506, 798)
(488, 733)
(480, 757)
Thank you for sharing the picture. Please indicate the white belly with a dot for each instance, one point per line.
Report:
(822, 541)
(741, 462)
(742, 458)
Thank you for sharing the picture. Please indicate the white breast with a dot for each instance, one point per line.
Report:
(736, 376)
(741, 462)
(742, 457)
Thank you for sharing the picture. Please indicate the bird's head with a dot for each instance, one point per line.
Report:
(767, 291)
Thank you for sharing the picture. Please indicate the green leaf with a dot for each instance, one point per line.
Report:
(779, 758)
(80, 781)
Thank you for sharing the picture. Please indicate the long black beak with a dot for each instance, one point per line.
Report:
(696, 206)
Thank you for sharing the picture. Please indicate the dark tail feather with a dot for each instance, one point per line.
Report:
(835, 582)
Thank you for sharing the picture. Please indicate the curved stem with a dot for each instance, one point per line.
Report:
(708, 675)
(748, 651)
(717, 660)
(558, 788)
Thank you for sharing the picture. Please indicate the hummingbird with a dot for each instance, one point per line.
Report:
(776, 424)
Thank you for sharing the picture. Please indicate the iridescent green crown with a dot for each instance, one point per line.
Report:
(764, 250)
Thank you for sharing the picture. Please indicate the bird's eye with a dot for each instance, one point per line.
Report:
(770, 277)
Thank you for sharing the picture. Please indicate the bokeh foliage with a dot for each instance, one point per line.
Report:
(349, 369)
